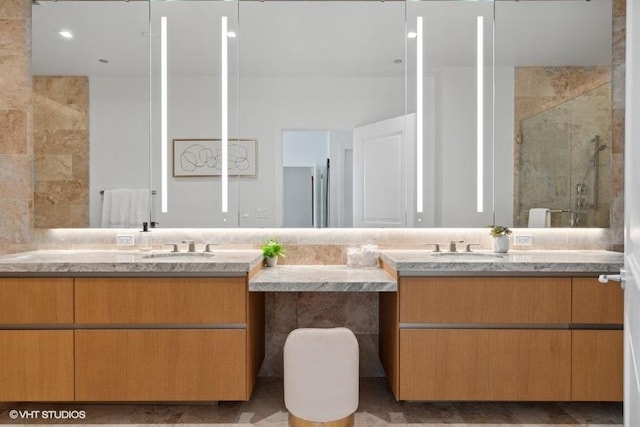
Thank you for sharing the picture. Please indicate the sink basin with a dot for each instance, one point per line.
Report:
(487, 256)
(180, 255)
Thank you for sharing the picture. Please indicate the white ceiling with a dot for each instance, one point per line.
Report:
(303, 38)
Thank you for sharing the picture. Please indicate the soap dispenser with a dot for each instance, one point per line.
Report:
(144, 239)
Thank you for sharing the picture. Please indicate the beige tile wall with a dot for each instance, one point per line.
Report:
(16, 149)
(546, 170)
(61, 146)
(618, 117)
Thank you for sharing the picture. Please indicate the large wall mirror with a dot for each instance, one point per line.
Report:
(200, 100)
(554, 65)
(322, 112)
(90, 65)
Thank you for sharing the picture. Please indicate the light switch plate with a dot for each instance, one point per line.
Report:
(124, 240)
(523, 239)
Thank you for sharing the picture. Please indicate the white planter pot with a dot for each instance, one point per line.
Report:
(501, 244)
(272, 262)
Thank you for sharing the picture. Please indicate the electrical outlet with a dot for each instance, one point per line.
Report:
(124, 240)
(523, 239)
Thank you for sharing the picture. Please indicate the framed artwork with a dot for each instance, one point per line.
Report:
(203, 157)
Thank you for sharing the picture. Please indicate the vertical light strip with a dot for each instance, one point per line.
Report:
(480, 116)
(419, 118)
(225, 116)
(163, 112)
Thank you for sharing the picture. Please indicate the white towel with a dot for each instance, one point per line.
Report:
(539, 218)
(123, 208)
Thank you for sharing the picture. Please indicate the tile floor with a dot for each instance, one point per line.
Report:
(377, 409)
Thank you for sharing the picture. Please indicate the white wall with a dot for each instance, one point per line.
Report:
(194, 112)
(119, 135)
(450, 149)
(457, 135)
(504, 161)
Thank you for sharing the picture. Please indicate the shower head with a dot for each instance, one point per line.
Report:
(602, 147)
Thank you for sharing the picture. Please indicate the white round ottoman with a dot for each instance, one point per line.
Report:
(321, 377)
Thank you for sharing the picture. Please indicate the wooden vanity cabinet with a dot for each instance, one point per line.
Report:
(484, 338)
(597, 341)
(485, 364)
(129, 339)
(36, 360)
(167, 339)
(161, 365)
(501, 338)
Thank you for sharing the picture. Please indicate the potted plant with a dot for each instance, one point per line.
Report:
(500, 236)
(271, 250)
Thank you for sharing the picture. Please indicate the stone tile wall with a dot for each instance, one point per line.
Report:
(16, 149)
(617, 123)
(61, 145)
(558, 110)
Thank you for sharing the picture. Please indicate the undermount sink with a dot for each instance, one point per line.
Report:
(469, 255)
(180, 255)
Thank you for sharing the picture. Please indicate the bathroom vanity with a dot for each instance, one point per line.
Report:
(524, 327)
(121, 327)
(108, 326)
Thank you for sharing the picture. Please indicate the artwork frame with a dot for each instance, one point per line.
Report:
(195, 157)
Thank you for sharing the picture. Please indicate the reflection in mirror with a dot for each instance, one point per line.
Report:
(91, 110)
(561, 92)
(457, 116)
(194, 110)
(313, 74)
(291, 80)
(565, 161)
(317, 76)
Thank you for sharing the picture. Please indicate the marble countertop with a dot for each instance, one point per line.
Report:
(545, 262)
(326, 278)
(322, 278)
(129, 263)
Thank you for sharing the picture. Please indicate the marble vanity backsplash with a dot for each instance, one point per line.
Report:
(315, 246)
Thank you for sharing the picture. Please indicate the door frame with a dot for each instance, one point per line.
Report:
(278, 130)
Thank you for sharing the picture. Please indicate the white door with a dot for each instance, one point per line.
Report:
(632, 222)
(380, 164)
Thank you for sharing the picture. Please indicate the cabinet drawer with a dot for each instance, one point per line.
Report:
(161, 365)
(161, 300)
(36, 365)
(485, 364)
(488, 300)
(36, 300)
(597, 365)
(594, 302)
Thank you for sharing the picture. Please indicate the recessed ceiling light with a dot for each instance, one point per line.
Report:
(412, 34)
(65, 34)
(231, 34)
(397, 61)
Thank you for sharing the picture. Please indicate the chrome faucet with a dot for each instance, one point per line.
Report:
(175, 247)
(452, 245)
(436, 247)
(192, 245)
(467, 248)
